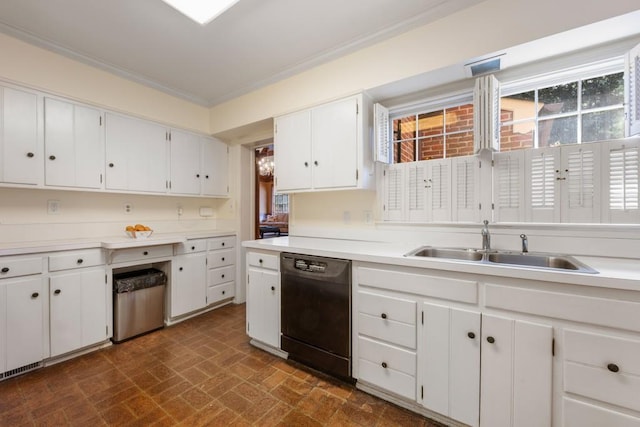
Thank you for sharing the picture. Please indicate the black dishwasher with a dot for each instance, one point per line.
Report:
(316, 312)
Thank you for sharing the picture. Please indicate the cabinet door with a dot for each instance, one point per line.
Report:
(466, 188)
(581, 188)
(185, 163)
(516, 373)
(451, 362)
(540, 174)
(136, 155)
(334, 130)
(215, 167)
(25, 332)
(292, 151)
(78, 310)
(20, 161)
(188, 283)
(263, 306)
(73, 146)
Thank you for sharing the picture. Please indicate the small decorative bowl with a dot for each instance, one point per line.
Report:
(139, 234)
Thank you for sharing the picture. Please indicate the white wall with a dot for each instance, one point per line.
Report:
(487, 27)
(24, 217)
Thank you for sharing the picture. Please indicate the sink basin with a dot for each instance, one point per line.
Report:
(561, 262)
(532, 260)
(448, 253)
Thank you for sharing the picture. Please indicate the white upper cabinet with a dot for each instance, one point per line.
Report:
(136, 155)
(185, 162)
(20, 152)
(73, 145)
(324, 148)
(214, 173)
(199, 165)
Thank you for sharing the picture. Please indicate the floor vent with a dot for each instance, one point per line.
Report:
(20, 370)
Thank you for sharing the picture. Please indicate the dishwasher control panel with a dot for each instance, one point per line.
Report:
(312, 266)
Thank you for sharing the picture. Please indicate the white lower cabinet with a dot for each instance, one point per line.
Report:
(516, 372)
(450, 362)
(78, 309)
(24, 332)
(188, 283)
(263, 298)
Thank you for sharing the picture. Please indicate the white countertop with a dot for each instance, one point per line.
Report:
(612, 273)
(106, 242)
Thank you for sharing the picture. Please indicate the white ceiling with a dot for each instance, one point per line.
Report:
(253, 44)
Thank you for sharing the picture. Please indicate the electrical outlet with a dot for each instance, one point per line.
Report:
(128, 208)
(180, 210)
(53, 207)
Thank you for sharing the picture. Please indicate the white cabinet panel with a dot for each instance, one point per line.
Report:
(389, 367)
(20, 154)
(263, 306)
(214, 173)
(185, 157)
(188, 283)
(292, 154)
(136, 155)
(581, 414)
(78, 310)
(25, 333)
(73, 145)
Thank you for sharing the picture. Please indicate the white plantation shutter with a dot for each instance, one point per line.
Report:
(439, 194)
(622, 160)
(580, 189)
(417, 191)
(632, 91)
(382, 134)
(393, 192)
(540, 174)
(508, 186)
(486, 113)
(466, 187)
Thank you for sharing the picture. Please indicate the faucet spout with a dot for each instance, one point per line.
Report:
(486, 237)
(525, 243)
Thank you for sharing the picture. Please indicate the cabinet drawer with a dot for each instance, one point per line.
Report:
(601, 350)
(20, 266)
(387, 318)
(601, 384)
(221, 242)
(220, 292)
(221, 258)
(145, 252)
(391, 368)
(191, 246)
(76, 259)
(257, 259)
(580, 414)
(222, 275)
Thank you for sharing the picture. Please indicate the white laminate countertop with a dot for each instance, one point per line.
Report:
(106, 242)
(614, 273)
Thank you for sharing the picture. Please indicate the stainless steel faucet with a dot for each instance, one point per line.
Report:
(525, 243)
(486, 237)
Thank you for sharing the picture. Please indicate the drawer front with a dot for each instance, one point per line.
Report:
(603, 385)
(191, 246)
(221, 258)
(580, 414)
(222, 275)
(387, 308)
(388, 330)
(387, 367)
(220, 292)
(76, 259)
(141, 253)
(19, 266)
(221, 243)
(602, 350)
(257, 259)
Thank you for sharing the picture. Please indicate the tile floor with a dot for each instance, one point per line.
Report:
(199, 372)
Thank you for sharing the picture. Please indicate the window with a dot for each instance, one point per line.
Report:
(280, 203)
(438, 134)
(579, 111)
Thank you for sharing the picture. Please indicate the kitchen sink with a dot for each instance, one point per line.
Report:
(448, 253)
(521, 259)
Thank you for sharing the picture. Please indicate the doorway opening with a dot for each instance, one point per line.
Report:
(272, 209)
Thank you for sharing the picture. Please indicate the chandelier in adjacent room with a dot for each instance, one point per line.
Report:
(265, 166)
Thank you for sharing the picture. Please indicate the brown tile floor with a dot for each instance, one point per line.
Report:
(200, 372)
